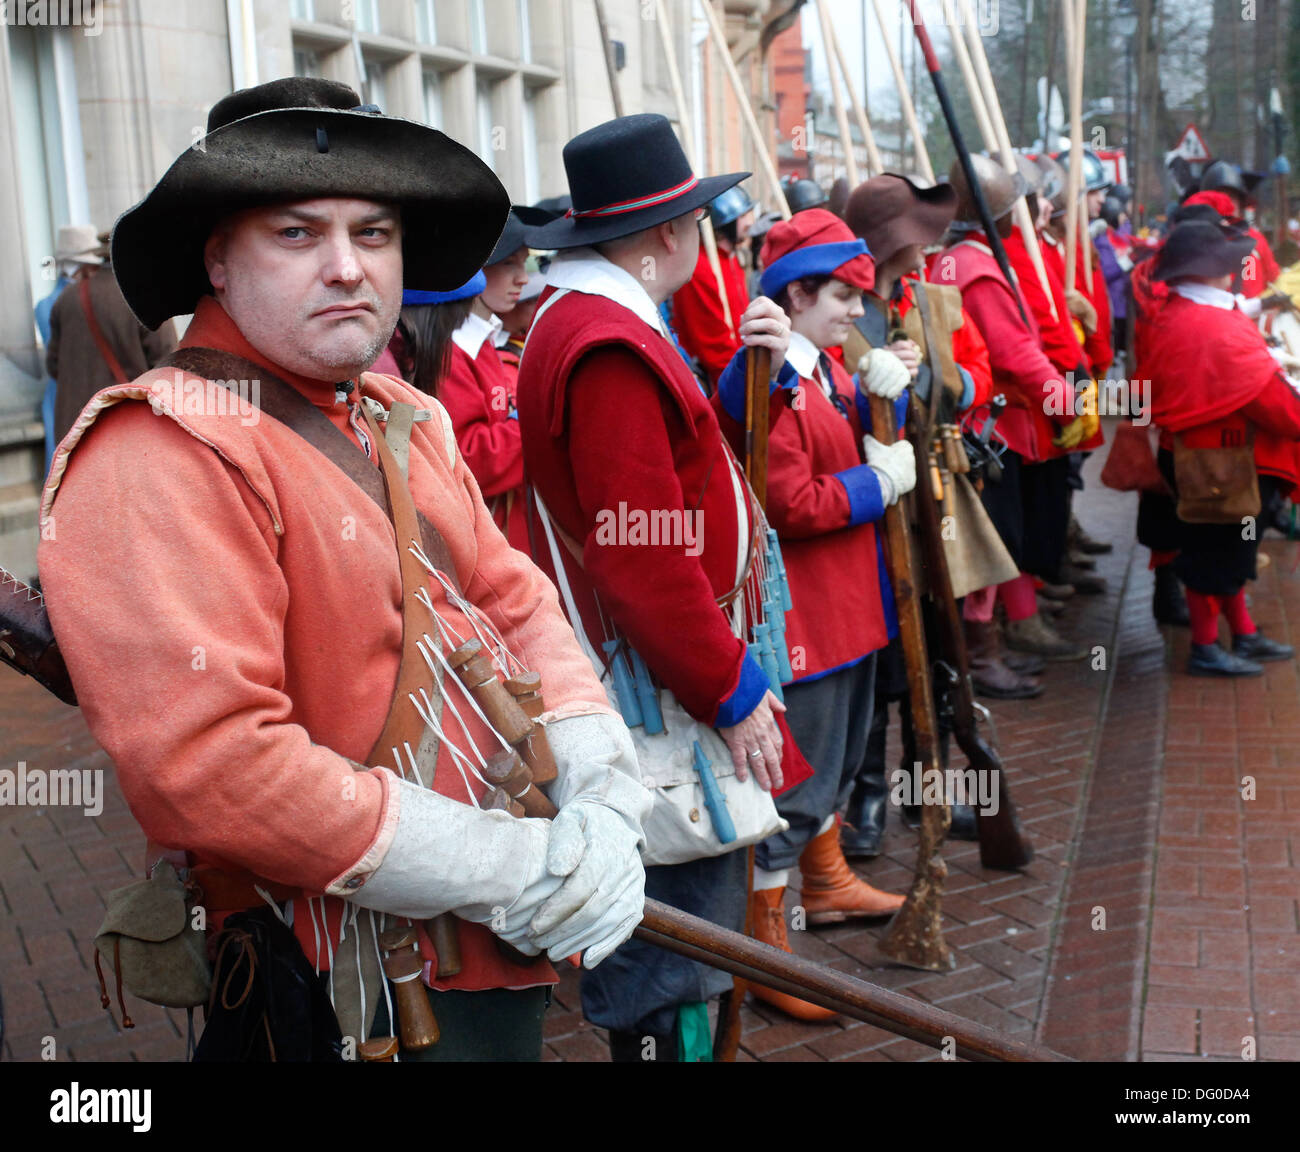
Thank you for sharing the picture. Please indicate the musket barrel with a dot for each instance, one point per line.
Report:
(757, 963)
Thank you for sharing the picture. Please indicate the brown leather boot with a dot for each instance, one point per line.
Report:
(831, 892)
(1035, 636)
(989, 673)
(767, 911)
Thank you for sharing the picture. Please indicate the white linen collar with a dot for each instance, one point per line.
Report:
(802, 355)
(1207, 294)
(470, 335)
(586, 270)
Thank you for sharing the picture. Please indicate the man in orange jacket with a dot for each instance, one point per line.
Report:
(261, 592)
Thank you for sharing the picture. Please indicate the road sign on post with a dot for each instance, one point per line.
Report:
(1191, 146)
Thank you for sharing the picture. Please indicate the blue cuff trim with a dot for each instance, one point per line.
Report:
(811, 260)
(886, 590)
(731, 385)
(967, 388)
(866, 501)
(748, 695)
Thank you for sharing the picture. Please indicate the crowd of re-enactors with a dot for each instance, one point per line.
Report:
(893, 291)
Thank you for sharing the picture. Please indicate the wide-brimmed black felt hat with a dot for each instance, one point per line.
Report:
(1200, 248)
(521, 219)
(300, 139)
(624, 176)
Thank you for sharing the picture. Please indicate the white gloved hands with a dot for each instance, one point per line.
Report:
(883, 373)
(593, 857)
(895, 464)
(602, 894)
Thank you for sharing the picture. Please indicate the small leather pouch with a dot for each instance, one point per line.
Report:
(149, 941)
(1216, 485)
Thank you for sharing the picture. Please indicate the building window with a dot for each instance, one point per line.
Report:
(367, 16)
(372, 87)
(478, 26)
(525, 32)
(302, 10)
(487, 133)
(532, 170)
(306, 63)
(432, 98)
(426, 22)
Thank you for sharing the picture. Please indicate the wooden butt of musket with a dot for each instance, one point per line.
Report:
(477, 672)
(403, 966)
(915, 935)
(381, 1050)
(444, 935)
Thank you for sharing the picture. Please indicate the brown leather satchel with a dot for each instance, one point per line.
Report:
(1216, 485)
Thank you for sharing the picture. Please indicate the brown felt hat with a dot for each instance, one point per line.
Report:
(299, 139)
(890, 213)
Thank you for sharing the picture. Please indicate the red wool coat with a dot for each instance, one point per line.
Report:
(1097, 346)
(831, 564)
(1211, 373)
(698, 319)
(1261, 267)
(1021, 370)
(1056, 333)
(616, 426)
(479, 395)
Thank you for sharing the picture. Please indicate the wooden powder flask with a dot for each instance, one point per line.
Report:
(382, 1050)
(402, 966)
(508, 772)
(445, 939)
(499, 800)
(504, 706)
(526, 688)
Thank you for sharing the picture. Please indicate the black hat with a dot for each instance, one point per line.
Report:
(1199, 248)
(515, 236)
(626, 175)
(298, 139)
(1223, 176)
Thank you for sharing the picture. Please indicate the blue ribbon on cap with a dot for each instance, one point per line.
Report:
(472, 287)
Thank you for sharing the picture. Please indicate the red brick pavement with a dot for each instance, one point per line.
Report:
(1127, 776)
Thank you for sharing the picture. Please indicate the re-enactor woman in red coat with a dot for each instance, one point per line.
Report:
(824, 502)
(1214, 385)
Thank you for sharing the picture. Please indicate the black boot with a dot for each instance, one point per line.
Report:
(864, 817)
(1168, 604)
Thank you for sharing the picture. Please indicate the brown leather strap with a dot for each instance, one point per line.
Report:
(404, 724)
(92, 321)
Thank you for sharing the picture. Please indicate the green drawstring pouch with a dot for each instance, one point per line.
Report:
(694, 1036)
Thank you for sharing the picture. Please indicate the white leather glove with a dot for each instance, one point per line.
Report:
(595, 841)
(446, 856)
(895, 464)
(883, 373)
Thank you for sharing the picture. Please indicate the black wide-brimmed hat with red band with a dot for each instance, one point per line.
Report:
(300, 139)
(626, 175)
(1200, 248)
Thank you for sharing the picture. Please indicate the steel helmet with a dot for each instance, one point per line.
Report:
(801, 194)
(1031, 173)
(1001, 189)
(1094, 171)
(1222, 176)
(730, 205)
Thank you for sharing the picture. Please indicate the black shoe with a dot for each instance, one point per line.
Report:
(1168, 604)
(1084, 582)
(1211, 660)
(859, 843)
(964, 826)
(1258, 647)
(1085, 543)
(1023, 662)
